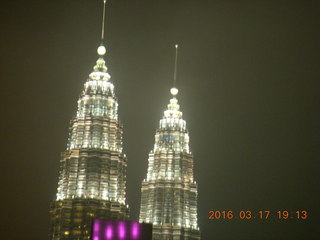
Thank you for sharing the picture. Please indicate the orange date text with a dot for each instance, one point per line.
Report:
(260, 214)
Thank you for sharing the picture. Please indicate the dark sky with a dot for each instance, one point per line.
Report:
(248, 75)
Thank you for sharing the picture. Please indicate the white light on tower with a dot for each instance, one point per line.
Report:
(174, 91)
(101, 50)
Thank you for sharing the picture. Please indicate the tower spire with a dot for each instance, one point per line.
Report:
(101, 49)
(103, 20)
(174, 90)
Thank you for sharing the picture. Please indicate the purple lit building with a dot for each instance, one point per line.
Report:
(120, 230)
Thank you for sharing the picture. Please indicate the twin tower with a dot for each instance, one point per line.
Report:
(92, 179)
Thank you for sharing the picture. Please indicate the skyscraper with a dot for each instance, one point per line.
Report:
(92, 180)
(169, 192)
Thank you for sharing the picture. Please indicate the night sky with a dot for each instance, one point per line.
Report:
(248, 76)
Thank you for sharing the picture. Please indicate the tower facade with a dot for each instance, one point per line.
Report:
(92, 180)
(169, 192)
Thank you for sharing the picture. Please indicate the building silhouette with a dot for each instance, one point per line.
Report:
(169, 192)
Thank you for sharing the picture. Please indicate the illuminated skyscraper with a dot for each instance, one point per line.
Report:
(92, 181)
(169, 192)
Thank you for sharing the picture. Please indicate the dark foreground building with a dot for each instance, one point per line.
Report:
(169, 192)
(92, 181)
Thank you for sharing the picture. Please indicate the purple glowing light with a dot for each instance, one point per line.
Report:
(121, 230)
(135, 230)
(96, 226)
(109, 232)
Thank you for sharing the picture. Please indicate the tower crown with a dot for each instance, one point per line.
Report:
(100, 71)
(173, 109)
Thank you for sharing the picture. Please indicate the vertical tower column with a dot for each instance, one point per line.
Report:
(169, 192)
(92, 180)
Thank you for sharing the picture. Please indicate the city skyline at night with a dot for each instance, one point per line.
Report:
(249, 83)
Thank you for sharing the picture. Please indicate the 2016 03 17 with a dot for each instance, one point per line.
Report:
(261, 214)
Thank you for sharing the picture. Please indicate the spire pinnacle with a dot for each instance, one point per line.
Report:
(101, 49)
(175, 67)
(174, 91)
(103, 20)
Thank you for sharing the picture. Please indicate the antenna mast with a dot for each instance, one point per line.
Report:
(103, 20)
(175, 67)
(101, 49)
(174, 91)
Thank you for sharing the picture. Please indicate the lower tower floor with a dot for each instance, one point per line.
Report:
(168, 232)
(71, 219)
